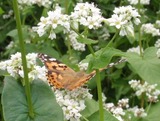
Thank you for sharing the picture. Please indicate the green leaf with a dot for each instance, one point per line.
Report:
(3, 73)
(107, 116)
(91, 112)
(1, 11)
(91, 107)
(148, 67)
(102, 58)
(14, 33)
(15, 107)
(86, 40)
(153, 113)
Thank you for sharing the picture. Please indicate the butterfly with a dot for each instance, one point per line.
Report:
(60, 75)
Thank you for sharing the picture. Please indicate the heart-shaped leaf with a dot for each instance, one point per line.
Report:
(15, 106)
(147, 67)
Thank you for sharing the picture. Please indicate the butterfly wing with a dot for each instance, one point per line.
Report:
(80, 79)
(58, 74)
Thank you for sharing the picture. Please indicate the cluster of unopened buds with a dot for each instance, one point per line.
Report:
(149, 90)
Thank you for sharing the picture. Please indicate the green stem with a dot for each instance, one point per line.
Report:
(148, 108)
(91, 49)
(85, 118)
(66, 6)
(57, 47)
(142, 100)
(99, 89)
(111, 41)
(1, 112)
(139, 40)
(69, 46)
(139, 32)
(24, 62)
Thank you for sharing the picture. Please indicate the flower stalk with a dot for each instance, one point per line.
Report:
(139, 32)
(113, 38)
(23, 56)
(99, 89)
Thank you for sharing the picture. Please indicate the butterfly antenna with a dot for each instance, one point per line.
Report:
(113, 64)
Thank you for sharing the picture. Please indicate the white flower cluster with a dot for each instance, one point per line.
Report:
(72, 102)
(157, 45)
(158, 24)
(150, 29)
(10, 45)
(8, 15)
(134, 49)
(84, 13)
(83, 66)
(138, 112)
(135, 2)
(150, 90)
(87, 15)
(122, 19)
(75, 44)
(51, 22)
(118, 110)
(14, 67)
(45, 3)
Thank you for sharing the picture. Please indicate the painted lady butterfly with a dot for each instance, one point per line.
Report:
(61, 76)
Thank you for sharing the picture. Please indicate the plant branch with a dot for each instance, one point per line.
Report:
(99, 89)
(23, 56)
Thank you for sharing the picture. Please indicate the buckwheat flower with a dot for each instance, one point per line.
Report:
(138, 112)
(149, 90)
(103, 98)
(123, 103)
(158, 53)
(8, 15)
(134, 83)
(135, 50)
(14, 67)
(3, 65)
(158, 24)
(116, 21)
(150, 29)
(109, 106)
(138, 87)
(31, 58)
(103, 34)
(117, 111)
(152, 93)
(157, 44)
(87, 15)
(83, 66)
(152, 98)
(72, 102)
(74, 42)
(38, 73)
(143, 2)
(123, 19)
(24, 2)
(50, 23)
(45, 3)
